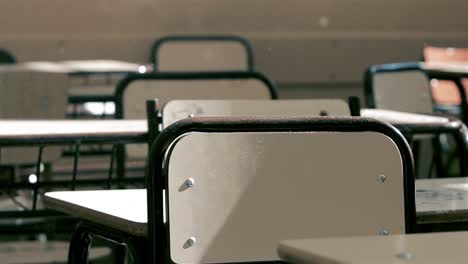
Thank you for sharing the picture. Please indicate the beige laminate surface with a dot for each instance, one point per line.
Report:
(433, 196)
(198, 55)
(78, 66)
(123, 210)
(29, 129)
(407, 91)
(93, 66)
(180, 109)
(253, 189)
(433, 248)
(442, 200)
(452, 67)
(397, 117)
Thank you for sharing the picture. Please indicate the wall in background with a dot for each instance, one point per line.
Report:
(322, 44)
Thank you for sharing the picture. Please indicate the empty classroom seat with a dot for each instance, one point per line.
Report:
(278, 179)
(406, 87)
(31, 95)
(202, 53)
(400, 87)
(133, 91)
(236, 186)
(446, 92)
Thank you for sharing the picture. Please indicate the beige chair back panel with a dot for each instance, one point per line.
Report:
(181, 109)
(138, 92)
(31, 95)
(202, 56)
(407, 91)
(252, 190)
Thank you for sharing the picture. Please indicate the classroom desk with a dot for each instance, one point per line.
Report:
(442, 200)
(417, 125)
(15, 133)
(437, 201)
(44, 132)
(445, 70)
(84, 68)
(433, 248)
(404, 118)
(123, 210)
(452, 72)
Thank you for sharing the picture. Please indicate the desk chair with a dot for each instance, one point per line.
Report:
(445, 93)
(214, 203)
(225, 177)
(400, 86)
(6, 57)
(403, 87)
(202, 53)
(133, 91)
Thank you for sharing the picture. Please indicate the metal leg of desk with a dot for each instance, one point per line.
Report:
(463, 99)
(79, 246)
(84, 233)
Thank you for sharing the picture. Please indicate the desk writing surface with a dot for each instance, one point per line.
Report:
(123, 210)
(85, 66)
(80, 66)
(105, 66)
(396, 117)
(431, 248)
(442, 196)
(14, 129)
(455, 68)
(126, 209)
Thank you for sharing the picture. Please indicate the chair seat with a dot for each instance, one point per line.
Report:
(123, 210)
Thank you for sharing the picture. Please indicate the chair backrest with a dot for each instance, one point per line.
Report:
(133, 91)
(202, 53)
(234, 187)
(400, 87)
(180, 109)
(446, 92)
(31, 95)
(6, 57)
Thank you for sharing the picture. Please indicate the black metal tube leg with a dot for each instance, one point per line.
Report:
(111, 167)
(120, 165)
(119, 254)
(76, 156)
(437, 155)
(138, 252)
(79, 246)
(38, 177)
